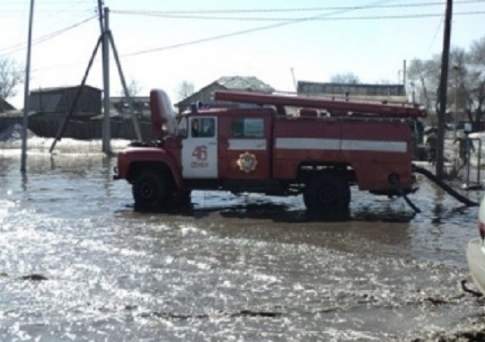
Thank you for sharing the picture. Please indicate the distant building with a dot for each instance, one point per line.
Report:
(206, 94)
(5, 106)
(120, 105)
(358, 91)
(60, 100)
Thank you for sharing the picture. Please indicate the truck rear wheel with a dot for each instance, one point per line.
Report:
(150, 189)
(326, 194)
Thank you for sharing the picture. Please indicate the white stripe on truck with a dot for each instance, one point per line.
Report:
(341, 145)
(374, 145)
(307, 143)
(247, 144)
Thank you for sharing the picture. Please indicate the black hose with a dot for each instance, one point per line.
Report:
(394, 181)
(411, 204)
(468, 290)
(444, 186)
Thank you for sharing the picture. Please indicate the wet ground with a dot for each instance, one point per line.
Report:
(77, 263)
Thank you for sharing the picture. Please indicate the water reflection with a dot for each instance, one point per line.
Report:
(222, 267)
(24, 181)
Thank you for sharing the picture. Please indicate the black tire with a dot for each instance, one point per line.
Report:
(182, 199)
(327, 193)
(150, 189)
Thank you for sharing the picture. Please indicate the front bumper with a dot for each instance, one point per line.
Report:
(475, 255)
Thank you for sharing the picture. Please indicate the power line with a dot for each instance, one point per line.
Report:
(6, 5)
(252, 30)
(325, 16)
(438, 29)
(373, 17)
(44, 8)
(255, 29)
(267, 27)
(299, 9)
(44, 38)
(46, 2)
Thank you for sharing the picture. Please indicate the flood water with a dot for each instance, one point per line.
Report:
(235, 268)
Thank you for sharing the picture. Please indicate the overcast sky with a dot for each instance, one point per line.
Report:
(373, 49)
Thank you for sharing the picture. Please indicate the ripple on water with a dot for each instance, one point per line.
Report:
(254, 269)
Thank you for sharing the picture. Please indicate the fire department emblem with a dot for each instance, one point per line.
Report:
(247, 162)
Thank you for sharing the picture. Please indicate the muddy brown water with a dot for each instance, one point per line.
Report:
(78, 263)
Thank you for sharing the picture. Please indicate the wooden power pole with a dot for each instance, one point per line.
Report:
(105, 40)
(104, 26)
(25, 121)
(106, 85)
(443, 89)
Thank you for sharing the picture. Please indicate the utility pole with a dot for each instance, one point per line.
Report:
(100, 15)
(106, 98)
(443, 89)
(105, 40)
(104, 26)
(25, 121)
(134, 119)
(63, 126)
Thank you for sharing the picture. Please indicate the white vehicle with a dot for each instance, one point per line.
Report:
(475, 253)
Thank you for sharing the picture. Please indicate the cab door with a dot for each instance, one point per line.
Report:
(199, 149)
(245, 154)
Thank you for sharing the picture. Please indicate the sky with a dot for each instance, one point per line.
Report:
(373, 49)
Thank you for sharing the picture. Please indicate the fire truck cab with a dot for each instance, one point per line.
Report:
(320, 150)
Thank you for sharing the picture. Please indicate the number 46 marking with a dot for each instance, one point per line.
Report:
(200, 153)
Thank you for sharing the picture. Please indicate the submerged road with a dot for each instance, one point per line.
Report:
(77, 263)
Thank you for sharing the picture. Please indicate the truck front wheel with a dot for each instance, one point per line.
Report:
(150, 189)
(327, 194)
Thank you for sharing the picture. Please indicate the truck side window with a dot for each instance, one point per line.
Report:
(203, 127)
(247, 128)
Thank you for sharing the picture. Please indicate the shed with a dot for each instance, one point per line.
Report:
(60, 99)
(121, 106)
(5, 106)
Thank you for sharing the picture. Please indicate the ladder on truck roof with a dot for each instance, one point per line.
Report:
(335, 107)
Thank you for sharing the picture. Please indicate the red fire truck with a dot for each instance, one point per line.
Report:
(273, 144)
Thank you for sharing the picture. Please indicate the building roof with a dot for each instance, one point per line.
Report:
(5, 106)
(358, 91)
(246, 83)
(57, 89)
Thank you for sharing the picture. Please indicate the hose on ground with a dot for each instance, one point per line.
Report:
(468, 290)
(466, 201)
(394, 181)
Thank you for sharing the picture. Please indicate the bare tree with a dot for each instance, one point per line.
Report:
(347, 78)
(185, 89)
(10, 78)
(134, 88)
(466, 83)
